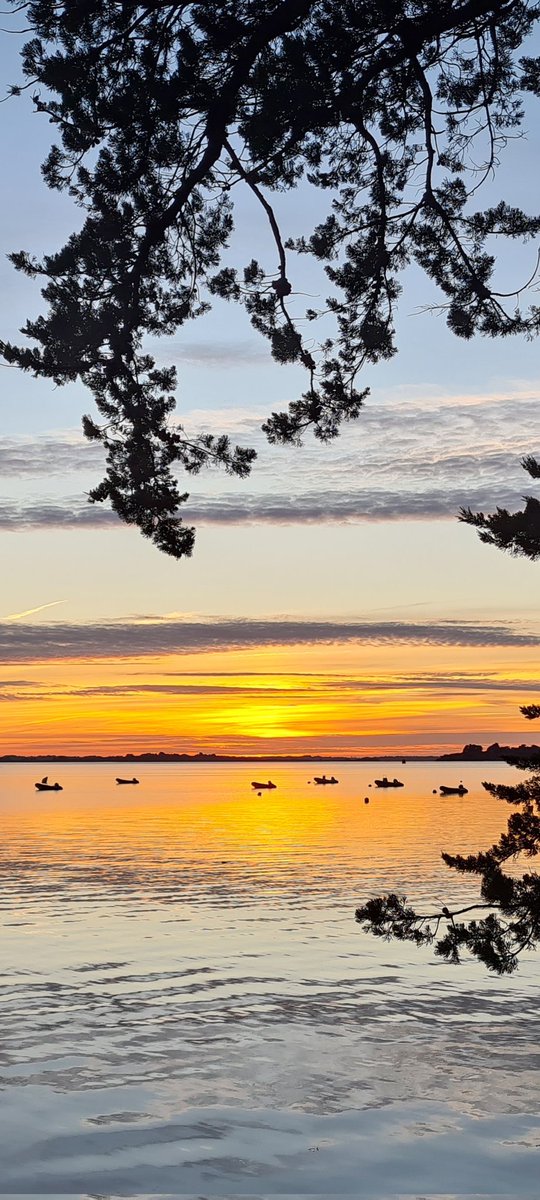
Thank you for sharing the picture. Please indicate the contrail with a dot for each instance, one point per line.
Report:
(369, 612)
(29, 611)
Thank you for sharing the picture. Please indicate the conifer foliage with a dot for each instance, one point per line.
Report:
(510, 904)
(518, 532)
(397, 110)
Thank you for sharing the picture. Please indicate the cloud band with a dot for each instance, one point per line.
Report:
(34, 642)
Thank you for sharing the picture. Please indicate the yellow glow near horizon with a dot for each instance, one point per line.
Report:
(338, 699)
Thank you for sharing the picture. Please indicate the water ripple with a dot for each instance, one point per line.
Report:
(185, 990)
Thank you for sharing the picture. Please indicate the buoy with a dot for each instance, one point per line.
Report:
(434, 792)
(366, 799)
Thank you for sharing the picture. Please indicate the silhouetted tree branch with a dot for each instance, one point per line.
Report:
(512, 923)
(517, 532)
(162, 111)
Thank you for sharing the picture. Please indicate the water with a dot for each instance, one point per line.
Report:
(190, 1009)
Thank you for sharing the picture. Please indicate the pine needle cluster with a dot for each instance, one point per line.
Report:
(163, 113)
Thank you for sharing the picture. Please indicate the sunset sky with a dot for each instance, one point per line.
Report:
(333, 603)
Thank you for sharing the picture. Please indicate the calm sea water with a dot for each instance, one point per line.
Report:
(190, 1009)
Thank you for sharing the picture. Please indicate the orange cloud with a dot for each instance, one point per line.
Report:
(341, 698)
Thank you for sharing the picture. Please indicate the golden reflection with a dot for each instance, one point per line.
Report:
(185, 811)
(186, 823)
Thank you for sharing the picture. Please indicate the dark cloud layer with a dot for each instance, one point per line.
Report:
(30, 642)
(400, 460)
(308, 508)
(73, 514)
(47, 455)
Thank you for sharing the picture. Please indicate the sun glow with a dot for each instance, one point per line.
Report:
(353, 699)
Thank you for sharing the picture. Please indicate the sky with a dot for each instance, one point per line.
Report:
(333, 603)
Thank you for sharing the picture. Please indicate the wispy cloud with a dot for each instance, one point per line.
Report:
(180, 689)
(21, 683)
(287, 689)
(232, 353)
(28, 642)
(326, 685)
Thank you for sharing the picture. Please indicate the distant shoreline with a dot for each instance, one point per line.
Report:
(494, 753)
(188, 759)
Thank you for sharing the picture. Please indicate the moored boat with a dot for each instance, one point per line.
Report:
(453, 791)
(119, 780)
(45, 786)
(388, 783)
(263, 787)
(323, 779)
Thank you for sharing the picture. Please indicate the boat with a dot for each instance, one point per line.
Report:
(263, 787)
(118, 780)
(454, 791)
(323, 779)
(45, 786)
(386, 783)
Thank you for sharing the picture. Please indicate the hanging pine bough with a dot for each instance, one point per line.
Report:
(398, 110)
(510, 922)
(518, 532)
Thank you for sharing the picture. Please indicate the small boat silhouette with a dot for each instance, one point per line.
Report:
(118, 780)
(263, 787)
(386, 783)
(454, 791)
(45, 786)
(323, 779)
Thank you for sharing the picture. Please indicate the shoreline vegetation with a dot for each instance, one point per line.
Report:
(470, 753)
